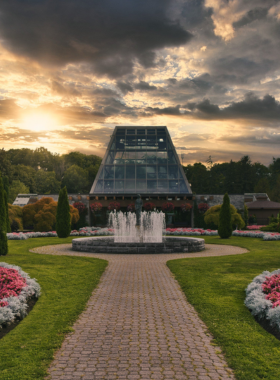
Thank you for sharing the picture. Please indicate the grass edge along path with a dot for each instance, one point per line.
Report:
(215, 286)
(66, 284)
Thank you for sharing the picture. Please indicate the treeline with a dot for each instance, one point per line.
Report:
(42, 172)
(238, 177)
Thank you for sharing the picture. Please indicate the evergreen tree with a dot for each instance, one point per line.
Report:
(246, 216)
(63, 218)
(225, 227)
(6, 197)
(3, 221)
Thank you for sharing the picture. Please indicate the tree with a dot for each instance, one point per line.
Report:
(15, 217)
(76, 179)
(24, 174)
(17, 187)
(225, 223)
(3, 220)
(46, 182)
(63, 219)
(213, 216)
(6, 197)
(246, 215)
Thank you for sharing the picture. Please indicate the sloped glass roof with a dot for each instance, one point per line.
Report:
(140, 160)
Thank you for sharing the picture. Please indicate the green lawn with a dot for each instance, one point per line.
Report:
(215, 286)
(67, 283)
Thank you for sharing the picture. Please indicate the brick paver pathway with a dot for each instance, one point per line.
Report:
(139, 325)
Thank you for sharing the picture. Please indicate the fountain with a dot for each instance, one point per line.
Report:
(140, 232)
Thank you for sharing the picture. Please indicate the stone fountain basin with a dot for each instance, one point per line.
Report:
(107, 245)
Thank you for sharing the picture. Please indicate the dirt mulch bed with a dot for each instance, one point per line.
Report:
(271, 330)
(7, 328)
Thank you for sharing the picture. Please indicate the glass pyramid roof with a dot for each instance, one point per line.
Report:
(140, 160)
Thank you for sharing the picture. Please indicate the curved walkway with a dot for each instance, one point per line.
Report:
(139, 325)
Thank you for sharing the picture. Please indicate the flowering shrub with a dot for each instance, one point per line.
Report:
(16, 288)
(263, 297)
(271, 287)
(131, 207)
(96, 206)
(167, 207)
(203, 207)
(80, 207)
(254, 227)
(114, 206)
(11, 283)
(190, 232)
(149, 206)
(186, 207)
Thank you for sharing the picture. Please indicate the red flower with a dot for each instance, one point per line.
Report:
(80, 206)
(185, 207)
(149, 206)
(167, 206)
(114, 206)
(11, 283)
(203, 207)
(96, 206)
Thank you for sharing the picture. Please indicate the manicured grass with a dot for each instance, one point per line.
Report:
(215, 286)
(67, 283)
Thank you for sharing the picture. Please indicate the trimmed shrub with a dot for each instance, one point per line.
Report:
(3, 221)
(63, 218)
(15, 217)
(213, 214)
(246, 215)
(225, 223)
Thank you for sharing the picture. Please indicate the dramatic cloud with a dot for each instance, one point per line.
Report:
(110, 35)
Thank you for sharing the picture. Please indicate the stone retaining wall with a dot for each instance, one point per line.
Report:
(107, 245)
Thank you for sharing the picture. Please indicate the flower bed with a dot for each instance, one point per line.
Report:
(254, 227)
(263, 297)
(16, 289)
(190, 231)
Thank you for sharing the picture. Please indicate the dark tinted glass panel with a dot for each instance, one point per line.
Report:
(130, 132)
(119, 172)
(173, 171)
(113, 146)
(120, 142)
(151, 142)
(130, 142)
(141, 185)
(119, 186)
(141, 142)
(162, 171)
(119, 158)
(101, 174)
(151, 172)
(99, 187)
(180, 174)
(109, 172)
(171, 157)
(161, 142)
(129, 186)
(169, 146)
(141, 172)
(162, 157)
(173, 186)
(120, 132)
(183, 187)
(141, 158)
(151, 158)
(110, 158)
(130, 172)
(131, 158)
(108, 186)
(151, 131)
(160, 130)
(152, 186)
(141, 131)
(163, 186)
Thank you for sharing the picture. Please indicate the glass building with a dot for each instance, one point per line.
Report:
(140, 160)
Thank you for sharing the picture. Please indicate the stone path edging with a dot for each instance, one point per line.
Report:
(139, 325)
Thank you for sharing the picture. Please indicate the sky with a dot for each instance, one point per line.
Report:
(71, 70)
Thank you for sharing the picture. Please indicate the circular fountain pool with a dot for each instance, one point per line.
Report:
(108, 245)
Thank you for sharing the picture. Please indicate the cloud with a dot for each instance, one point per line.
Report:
(109, 35)
(8, 109)
(251, 16)
(144, 86)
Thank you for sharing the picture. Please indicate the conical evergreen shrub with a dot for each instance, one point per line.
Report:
(225, 227)
(3, 221)
(63, 218)
(6, 195)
